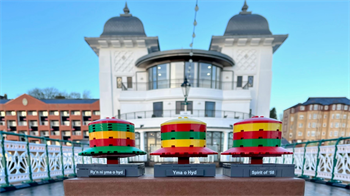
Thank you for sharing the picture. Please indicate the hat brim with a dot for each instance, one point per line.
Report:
(256, 151)
(121, 151)
(184, 152)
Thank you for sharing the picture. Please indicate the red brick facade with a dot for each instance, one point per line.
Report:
(57, 119)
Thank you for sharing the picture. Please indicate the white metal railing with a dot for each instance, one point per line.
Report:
(45, 123)
(67, 123)
(11, 123)
(76, 123)
(33, 123)
(24, 123)
(19, 169)
(54, 123)
(330, 162)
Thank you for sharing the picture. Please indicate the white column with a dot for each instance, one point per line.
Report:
(142, 140)
(225, 140)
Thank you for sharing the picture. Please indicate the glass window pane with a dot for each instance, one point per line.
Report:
(209, 109)
(163, 76)
(191, 73)
(157, 109)
(154, 78)
(250, 80)
(239, 81)
(150, 78)
(205, 75)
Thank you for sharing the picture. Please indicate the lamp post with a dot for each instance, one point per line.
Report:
(185, 90)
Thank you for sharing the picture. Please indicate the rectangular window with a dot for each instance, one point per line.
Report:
(331, 125)
(336, 125)
(301, 117)
(315, 116)
(324, 125)
(339, 107)
(205, 75)
(335, 133)
(250, 81)
(292, 118)
(300, 133)
(157, 109)
(337, 116)
(310, 107)
(302, 108)
(309, 116)
(308, 125)
(180, 106)
(344, 116)
(119, 82)
(313, 125)
(325, 116)
(129, 80)
(316, 107)
(239, 81)
(209, 109)
(313, 133)
(300, 125)
(326, 107)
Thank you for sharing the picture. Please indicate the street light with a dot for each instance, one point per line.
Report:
(185, 90)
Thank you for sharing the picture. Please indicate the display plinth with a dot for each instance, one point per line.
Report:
(184, 170)
(110, 170)
(259, 170)
(218, 185)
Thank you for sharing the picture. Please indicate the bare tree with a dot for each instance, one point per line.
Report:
(74, 95)
(54, 93)
(86, 94)
(37, 93)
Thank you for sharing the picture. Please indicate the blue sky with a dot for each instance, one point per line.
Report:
(42, 42)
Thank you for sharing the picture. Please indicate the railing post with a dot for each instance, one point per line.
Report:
(47, 159)
(293, 152)
(317, 161)
(302, 169)
(335, 161)
(29, 162)
(82, 157)
(4, 161)
(62, 162)
(73, 157)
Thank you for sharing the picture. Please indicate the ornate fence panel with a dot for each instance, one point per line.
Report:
(55, 164)
(38, 160)
(24, 161)
(330, 162)
(17, 164)
(67, 159)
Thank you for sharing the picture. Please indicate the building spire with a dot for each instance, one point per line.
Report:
(126, 9)
(245, 8)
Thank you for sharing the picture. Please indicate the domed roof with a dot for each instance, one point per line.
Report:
(124, 25)
(246, 23)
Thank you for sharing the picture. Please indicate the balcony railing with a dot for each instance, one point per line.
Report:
(195, 83)
(193, 113)
(67, 123)
(22, 123)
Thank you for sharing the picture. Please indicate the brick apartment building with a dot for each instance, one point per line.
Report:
(65, 119)
(317, 118)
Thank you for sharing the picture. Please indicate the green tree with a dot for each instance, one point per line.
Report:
(273, 113)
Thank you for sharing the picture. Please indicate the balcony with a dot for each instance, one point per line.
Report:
(193, 113)
(66, 123)
(23, 123)
(195, 83)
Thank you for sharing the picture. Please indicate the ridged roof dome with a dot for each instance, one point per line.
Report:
(124, 25)
(246, 23)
